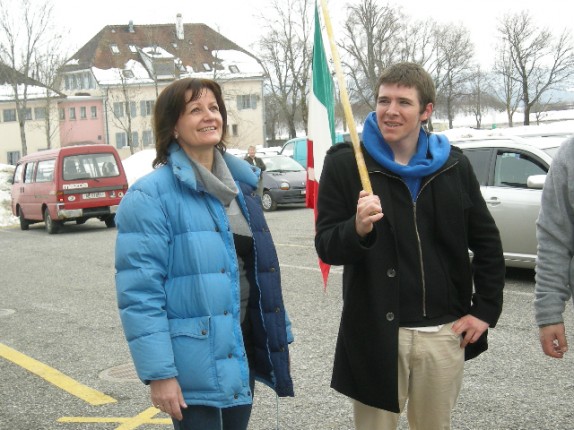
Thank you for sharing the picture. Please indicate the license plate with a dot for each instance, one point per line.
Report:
(93, 195)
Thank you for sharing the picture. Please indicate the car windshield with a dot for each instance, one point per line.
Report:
(281, 164)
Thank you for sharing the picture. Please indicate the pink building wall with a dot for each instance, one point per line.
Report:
(88, 129)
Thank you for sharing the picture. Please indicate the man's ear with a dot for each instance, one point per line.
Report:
(425, 115)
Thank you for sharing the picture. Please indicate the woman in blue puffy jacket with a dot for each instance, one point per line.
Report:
(197, 274)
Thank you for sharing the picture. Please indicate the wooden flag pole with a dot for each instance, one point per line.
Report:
(364, 175)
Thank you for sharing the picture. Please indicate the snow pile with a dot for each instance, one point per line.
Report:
(6, 217)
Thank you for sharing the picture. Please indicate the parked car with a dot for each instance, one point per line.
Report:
(284, 182)
(297, 148)
(511, 172)
(73, 183)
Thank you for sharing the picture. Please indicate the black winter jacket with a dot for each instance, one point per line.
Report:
(413, 269)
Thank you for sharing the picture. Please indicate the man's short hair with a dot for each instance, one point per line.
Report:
(409, 75)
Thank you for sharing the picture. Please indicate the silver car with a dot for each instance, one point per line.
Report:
(511, 172)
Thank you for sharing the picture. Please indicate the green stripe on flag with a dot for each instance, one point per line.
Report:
(322, 82)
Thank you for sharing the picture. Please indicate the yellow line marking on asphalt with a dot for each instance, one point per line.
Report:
(145, 417)
(87, 394)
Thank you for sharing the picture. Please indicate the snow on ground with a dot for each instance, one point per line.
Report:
(6, 217)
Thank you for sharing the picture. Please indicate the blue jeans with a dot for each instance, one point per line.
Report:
(196, 417)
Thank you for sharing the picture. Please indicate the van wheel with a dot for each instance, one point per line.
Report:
(110, 221)
(52, 227)
(24, 223)
(80, 221)
(267, 201)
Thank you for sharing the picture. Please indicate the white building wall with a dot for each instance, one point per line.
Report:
(36, 140)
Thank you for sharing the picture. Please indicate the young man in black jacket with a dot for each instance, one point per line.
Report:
(410, 316)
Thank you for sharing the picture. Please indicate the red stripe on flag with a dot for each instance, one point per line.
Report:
(312, 190)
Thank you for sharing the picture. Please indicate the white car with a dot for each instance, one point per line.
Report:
(511, 172)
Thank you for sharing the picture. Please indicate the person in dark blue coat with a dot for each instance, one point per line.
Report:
(197, 275)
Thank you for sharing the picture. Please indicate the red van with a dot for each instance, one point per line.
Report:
(73, 183)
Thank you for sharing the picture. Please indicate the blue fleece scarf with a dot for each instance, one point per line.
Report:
(432, 152)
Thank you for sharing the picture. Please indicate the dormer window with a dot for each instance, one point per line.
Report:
(174, 45)
(115, 49)
(206, 66)
(128, 74)
(234, 69)
(180, 66)
(205, 48)
(133, 48)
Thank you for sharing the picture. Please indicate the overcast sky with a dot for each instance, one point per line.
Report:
(240, 20)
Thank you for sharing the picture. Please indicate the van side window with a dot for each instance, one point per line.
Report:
(18, 174)
(45, 170)
(29, 172)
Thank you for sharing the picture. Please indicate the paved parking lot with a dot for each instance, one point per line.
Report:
(57, 309)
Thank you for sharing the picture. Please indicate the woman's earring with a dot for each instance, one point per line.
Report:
(176, 135)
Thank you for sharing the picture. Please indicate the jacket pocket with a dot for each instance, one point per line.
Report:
(193, 354)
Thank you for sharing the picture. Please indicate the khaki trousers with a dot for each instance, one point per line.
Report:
(430, 377)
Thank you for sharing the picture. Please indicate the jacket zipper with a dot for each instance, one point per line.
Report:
(419, 244)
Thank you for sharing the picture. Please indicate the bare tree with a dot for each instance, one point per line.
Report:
(368, 45)
(123, 106)
(47, 66)
(454, 53)
(272, 117)
(541, 61)
(286, 54)
(25, 33)
(507, 89)
(476, 99)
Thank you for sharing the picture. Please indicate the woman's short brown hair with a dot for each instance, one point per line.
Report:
(170, 105)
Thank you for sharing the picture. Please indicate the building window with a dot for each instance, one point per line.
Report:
(133, 109)
(62, 114)
(40, 113)
(147, 138)
(207, 67)
(121, 140)
(115, 49)
(28, 114)
(146, 107)
(83, 112)
(12, 158)
(235, 130)
(9, 115)
(72, 113)
(234, 69)
(127, 74)
(135, 139)
(133, 48)
(94, 111)
(248, 101)
(79, 81)
(119, 109)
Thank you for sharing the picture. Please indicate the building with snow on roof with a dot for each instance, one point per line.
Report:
(126, 67)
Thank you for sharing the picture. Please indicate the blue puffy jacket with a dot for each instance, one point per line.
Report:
(177, 283)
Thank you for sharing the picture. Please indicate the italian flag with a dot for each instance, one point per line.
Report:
(321, 123)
